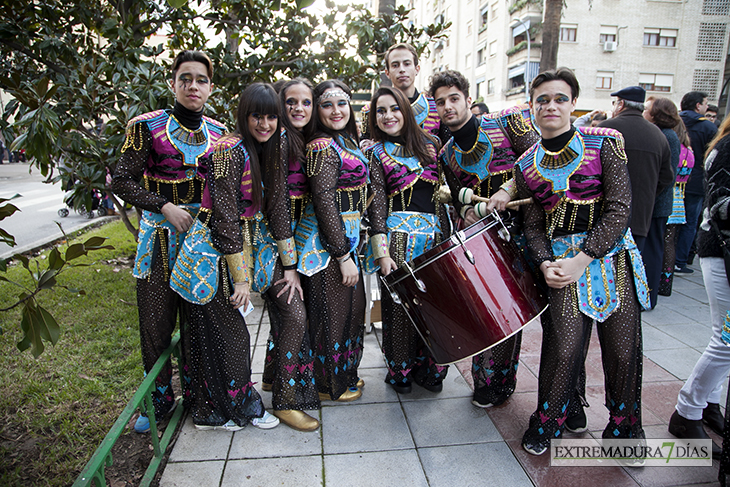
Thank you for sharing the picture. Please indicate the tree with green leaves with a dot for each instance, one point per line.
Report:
(78, 71)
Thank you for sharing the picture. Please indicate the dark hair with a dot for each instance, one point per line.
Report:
(483, 108)
(192, 56)
(713, 108)
(294, 136)
(402, 45)
(317, 129)
(413, 135)
(664, 112)
(449, 78)
(277, 85)
(560, 74)
(691, 99)
(259, 98)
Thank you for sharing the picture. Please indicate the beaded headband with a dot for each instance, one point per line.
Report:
(330, 94)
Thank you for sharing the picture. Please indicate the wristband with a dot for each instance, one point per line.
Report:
(379, 244)
(237, 267)
(510, 187)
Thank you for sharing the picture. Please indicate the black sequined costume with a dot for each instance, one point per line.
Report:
(163, 162)
(405, 194)
(481, 156)
(596, 201)
(337, 173)
(220, 348)
(289, 365)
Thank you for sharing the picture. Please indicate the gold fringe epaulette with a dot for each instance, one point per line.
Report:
(144, 117)
(365, 109)
(222, 156)
(320, 144)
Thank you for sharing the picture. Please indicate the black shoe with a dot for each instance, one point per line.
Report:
(535, 446)
(490, 396)
(683, 270)
(437, 387)
(713, 418)
(577, 422)
(691, 429)
(401, 387)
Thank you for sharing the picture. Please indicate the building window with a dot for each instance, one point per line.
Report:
(495, 6)
(568, 32)
(519, 33)
(660, 37)
(710, 41)
(490, 87)
(492, 48)
(608, 33)
(480, 88)
(656, 82)
(467, 61)
(480, 57)
(604, 80)
(484, 17)
(468, 28)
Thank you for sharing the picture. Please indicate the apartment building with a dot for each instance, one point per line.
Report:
(669, 47)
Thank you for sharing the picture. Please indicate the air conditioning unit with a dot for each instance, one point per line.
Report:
(609, 46)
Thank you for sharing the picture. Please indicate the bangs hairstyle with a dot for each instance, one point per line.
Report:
(664, 112)
(317, 129)
(560, 74)
(295, 136)
(262, 99)
(413, 136)
(192, 56)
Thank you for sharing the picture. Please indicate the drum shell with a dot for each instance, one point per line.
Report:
(468, 308)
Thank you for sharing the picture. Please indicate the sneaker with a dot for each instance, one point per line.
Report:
(577, 422)
(487, 397)
(535, 446)
(142, 425)
(683, 270)
(267, 421)
(229, 426)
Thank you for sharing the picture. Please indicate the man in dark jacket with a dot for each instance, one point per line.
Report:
(649, 164)
(701, 132)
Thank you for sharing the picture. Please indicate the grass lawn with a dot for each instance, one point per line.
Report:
(55, 410)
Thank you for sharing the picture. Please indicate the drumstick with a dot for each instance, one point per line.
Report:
(511, 204)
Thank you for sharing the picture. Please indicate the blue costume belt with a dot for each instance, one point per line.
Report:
(265, 253)
(312, 255)
(678, 216)
(151, 224)
(596, 288)
(421, 229)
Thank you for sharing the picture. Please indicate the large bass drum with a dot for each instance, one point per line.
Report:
(469, 293)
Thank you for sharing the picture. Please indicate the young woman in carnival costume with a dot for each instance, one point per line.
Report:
(289, 365)
(405, 179)
(231, 225)
(578, 231)
(663, 113)
(327, 241)
(161, 170)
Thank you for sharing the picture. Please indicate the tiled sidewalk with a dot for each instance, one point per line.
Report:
(425, 439)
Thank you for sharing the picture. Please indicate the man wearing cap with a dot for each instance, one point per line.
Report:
(650, 173)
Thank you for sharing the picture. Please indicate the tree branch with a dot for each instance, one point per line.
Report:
(17, 47)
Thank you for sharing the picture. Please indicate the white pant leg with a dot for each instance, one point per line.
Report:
(705, 383)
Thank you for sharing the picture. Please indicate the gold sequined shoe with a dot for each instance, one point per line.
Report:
(360, 384)
(347, 396)
(267, 386)
(298, 420)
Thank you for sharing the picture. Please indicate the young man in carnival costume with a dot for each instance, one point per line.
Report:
(480, 156)
(162, 170)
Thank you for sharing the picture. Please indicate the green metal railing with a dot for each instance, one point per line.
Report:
(93, 472)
